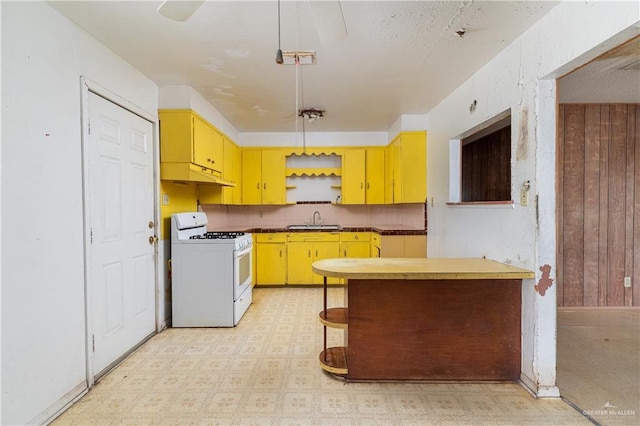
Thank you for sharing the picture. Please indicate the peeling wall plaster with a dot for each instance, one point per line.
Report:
(523, 135)
(522, 235)
(545, 282)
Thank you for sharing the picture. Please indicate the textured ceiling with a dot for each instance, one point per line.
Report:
(398, 58)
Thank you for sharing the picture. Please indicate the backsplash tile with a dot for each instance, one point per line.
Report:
(411, 216)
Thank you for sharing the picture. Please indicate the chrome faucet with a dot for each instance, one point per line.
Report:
(314, 218)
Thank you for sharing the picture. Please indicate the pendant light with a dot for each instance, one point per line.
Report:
(279, 58)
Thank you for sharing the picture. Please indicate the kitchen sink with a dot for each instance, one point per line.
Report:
(314, 227)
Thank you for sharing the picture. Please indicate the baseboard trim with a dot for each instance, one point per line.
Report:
(597, 308)
(538, 391)
(61, 405)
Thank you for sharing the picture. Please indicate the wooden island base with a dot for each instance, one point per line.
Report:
(450, 328)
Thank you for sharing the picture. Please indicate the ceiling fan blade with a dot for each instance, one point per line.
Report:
(179, 10)
(327, 15)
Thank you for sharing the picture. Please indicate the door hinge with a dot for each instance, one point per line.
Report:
(89, 127)
(93, 343)
(91, 236)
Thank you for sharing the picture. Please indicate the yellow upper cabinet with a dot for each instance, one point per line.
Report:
(388, 174)
(191, 149)
(408, 158)
(375, 176)
(353, 176)
(208, 145)
(263, 177)
(232, 171)
(251, 177)
(176, 136)
(363, 176)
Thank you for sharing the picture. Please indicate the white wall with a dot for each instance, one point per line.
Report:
(408, 122)
(518, 79)
(186, 97)
(293, 139)
(43, 317)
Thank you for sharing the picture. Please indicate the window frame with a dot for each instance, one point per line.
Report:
(488, 127)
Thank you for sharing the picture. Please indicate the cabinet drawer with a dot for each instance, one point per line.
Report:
(375, 239)
(355, 236)
(271, 238)
(313, 236)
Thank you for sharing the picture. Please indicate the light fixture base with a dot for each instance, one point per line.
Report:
(305, 57)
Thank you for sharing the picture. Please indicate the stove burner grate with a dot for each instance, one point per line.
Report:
(217, 235)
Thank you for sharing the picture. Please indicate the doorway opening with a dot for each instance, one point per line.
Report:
(598, 234)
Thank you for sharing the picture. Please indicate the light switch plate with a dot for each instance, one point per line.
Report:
(165, 199)
(627, 282)
(524, 197)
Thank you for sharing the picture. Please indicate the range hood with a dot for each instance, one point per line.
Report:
(189, 172)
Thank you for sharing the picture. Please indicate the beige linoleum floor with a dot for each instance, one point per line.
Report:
(599, 363)
(265, 372)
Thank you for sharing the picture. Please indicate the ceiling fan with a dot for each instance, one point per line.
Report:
(327, 16)
(179, 10)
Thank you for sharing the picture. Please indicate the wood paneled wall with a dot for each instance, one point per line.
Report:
(598, 204)
(486, 167)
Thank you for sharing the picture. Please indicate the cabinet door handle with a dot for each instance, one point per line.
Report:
(265, 185)
(345, 252)
(361, 185)
(368, 185)
(309, 254)
(316, 252)
(258, 185)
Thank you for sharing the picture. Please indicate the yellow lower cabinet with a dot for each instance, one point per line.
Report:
(271, 254)
(326, 250)
(375, 244)
(415, 246)
(355, 244)
(304, 248)
(299, 260)
(404, 246)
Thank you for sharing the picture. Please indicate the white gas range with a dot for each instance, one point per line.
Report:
(211, 273)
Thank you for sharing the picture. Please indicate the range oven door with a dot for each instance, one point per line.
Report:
(242, 271)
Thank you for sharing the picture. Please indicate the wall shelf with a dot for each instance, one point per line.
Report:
(313, 171)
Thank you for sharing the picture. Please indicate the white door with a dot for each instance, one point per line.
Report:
(121, 256)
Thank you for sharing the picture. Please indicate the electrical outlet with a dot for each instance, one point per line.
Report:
(524, 197)
(627, 282)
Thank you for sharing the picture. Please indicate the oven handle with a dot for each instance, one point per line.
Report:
(244, 251)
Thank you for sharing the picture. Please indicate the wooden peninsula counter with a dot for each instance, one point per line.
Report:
(425, 319)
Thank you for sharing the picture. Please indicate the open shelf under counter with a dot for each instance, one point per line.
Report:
(335, 318)
(334, 360)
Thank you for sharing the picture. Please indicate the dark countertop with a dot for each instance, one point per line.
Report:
(382, 230)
